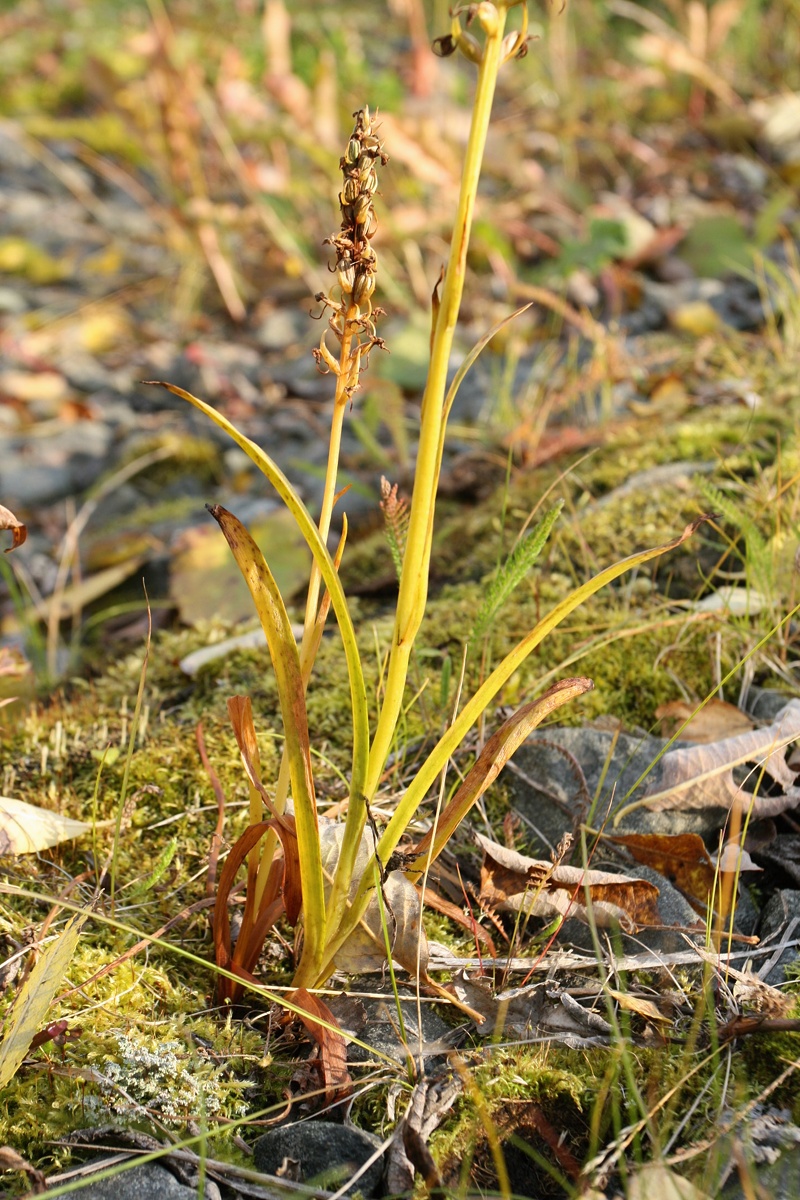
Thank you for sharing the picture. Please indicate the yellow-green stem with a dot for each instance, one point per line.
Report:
(324, 525)
(416, 560)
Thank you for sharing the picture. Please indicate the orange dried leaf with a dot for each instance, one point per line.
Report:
(681, 858)
(512, 882)
(332, 1046)
(714, 721)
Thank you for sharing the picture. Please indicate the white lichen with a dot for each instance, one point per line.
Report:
(166, 1081)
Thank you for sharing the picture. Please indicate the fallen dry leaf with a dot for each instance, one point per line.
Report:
(19, 531)
(681, 858)
(539, 1009)
(332, 1046)
(512, 882)
(11, 1161)
(702, 776)
(365, 949)
(714, 721)
(24, 828)
(654, 1181)
(641, 1007)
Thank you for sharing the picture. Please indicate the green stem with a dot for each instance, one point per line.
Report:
(416, 560)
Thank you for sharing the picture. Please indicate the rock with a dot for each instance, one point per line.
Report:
(779, 1179)
(781, 910)
(282, 329)
(328, 1155)
(381, 1029)
(548, 756)
(146, 1182)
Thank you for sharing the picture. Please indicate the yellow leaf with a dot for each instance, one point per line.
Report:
(33, 1001)
(25, 828)
(696, 317)
(638, 1005)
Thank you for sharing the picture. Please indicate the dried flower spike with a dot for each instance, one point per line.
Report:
(352, 315)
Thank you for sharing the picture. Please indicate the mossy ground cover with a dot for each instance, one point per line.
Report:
(631, 640)
(148, 1046)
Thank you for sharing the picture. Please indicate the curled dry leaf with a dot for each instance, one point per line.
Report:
(332, 1046)
(702, 776)
(512, 882)
(11, 1161)
(19, 531)
(640, 1006)
(654, 1180)
(365, 949)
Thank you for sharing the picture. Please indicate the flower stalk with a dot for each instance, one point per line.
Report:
(416, 560)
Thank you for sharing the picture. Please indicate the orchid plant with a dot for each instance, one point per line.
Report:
(295, 867)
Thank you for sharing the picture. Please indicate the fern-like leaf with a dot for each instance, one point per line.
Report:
(396, 517)
(756, 554)
(513, 571)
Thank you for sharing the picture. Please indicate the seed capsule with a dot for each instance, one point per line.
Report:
(347, 277)
(362, 208)
(363, 289)
(351, 190)
(353, 150)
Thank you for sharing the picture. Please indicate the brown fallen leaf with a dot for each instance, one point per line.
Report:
(654, 1181)
(714, 721)
(365, 948)
(681, 858)
(512, 882)
(641, 1007)
(19, 531)
(11, 1161)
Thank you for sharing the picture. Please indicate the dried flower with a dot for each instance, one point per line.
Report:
(352, 315)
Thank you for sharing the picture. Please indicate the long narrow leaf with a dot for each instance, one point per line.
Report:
(305, 523)
(286, 663)
(494, 756)
(484, 696)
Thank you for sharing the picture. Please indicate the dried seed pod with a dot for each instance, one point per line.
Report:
(368, 181)
(443, 47)
(470, 47)
(362, 209)
(350, 191)
(363, 288)
(346, 280)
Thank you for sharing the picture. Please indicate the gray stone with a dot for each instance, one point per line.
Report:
(782, 908)
(556, 772)
(12, 301)
(780, 1180)
(283, 329)
(382, 1031)
(146, 1182)
(765, 703)
(328, 1154)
